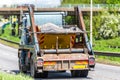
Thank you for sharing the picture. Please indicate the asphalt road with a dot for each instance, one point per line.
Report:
(9, 61)
(8, 58)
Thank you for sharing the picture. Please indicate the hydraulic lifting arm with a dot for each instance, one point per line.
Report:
(81, 25)
(33, 28)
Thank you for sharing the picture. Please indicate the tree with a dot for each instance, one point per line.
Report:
(110, 25)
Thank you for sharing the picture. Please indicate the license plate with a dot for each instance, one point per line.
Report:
(79, 67)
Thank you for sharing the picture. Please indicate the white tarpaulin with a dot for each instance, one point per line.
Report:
(49, 27)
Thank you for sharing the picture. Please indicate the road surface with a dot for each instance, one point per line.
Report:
(8, 58)
(9, 61)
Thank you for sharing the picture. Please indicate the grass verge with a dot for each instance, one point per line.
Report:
(9, 44)
(106, 49)
(7, 34)
(6, 76)
(108, 60)
(111, 45)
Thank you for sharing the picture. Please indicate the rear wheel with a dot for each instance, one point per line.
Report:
(63, 71)
(75, 73)
(36, 74)
(22, 67)
(33, 72)
(44, 74)
(83, 73)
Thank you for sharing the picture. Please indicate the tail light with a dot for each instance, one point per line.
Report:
(91, 60)
(40, 62)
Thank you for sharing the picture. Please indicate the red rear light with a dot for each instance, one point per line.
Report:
(91, 61)
(40, 62)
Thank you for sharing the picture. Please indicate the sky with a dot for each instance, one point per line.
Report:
(35, 2)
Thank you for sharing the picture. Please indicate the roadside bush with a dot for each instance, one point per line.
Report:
(109, 26)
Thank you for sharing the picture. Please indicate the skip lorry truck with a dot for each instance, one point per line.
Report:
(53, 48)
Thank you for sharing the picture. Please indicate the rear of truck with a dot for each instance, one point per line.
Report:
(61, 52)
(55, 50)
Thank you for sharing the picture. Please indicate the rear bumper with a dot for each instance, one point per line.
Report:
(64, 65)
(60, 62)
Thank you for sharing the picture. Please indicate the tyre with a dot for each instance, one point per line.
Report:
(83, 73)
(36, 74)
(44, 74)
(33, 72)
(63, 71)
(22, 68)
(75, 73)
(79, 73)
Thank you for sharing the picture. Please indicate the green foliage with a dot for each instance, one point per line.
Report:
(112, 45)
(109, 25)
(105, 48)
(112, 2)
(7, 34)
(87, 22)
(70, 20)
(109, 42)
(106, 25)
(5, 76)
(88, 2)
(74, 1)
(96, 25)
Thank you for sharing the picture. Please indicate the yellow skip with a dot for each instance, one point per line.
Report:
(50, 40)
